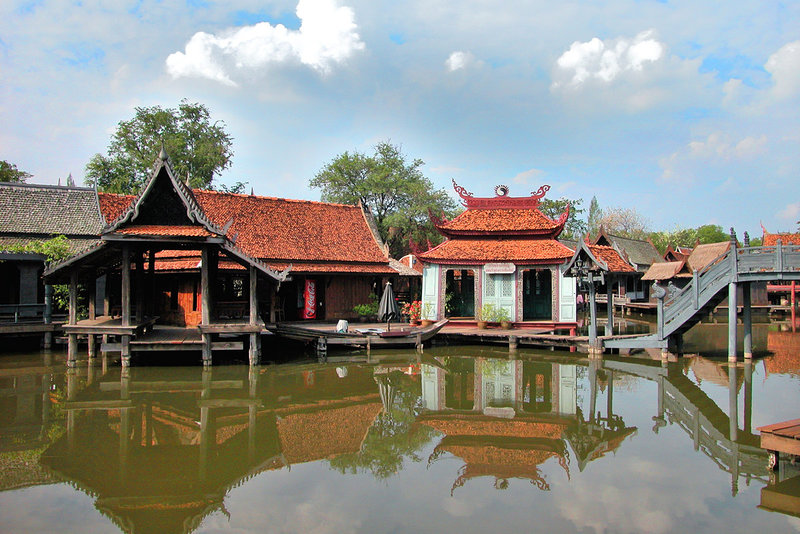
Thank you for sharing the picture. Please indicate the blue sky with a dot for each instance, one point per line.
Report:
(688, 112)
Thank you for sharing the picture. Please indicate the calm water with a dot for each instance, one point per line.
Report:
(461, 439)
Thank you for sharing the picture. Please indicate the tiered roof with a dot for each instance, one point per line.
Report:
(499, 229)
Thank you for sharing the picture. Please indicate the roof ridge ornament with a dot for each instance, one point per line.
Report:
(501, 199)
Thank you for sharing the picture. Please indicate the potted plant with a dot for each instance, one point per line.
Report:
(413, 310)
(501, 316)
(427, 314)
(367, 310)
(484, 315)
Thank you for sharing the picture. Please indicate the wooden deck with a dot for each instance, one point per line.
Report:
(782, 437)
(171, 338)
(106, 324)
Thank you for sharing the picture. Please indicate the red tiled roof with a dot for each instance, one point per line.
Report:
(330, 237)
(501, 221)
(498, 249)
(112, 205)
(280, 229)
(770, 240)
(609, 255)
(165, 230)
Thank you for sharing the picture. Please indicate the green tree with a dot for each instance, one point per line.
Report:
(395, 190)
(10, 173)
(197, 148)
(593, 219)
(689, 237)
(575, 226)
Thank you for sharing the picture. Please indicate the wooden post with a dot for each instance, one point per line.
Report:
(125, 351)
(206, 350)
(205, 288)
(139, 287)
(48, 315)
(126, 285)
(732, 321)
(151, 276)
(92, 339)
(253, 295)
(733, 404)
(592, 315)
(255, 348)
(747, 322)
(610, 308)
(72, 339)
(748, 395)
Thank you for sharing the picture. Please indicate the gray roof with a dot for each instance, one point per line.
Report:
(403, 269)
(34, 209)
(640, 253)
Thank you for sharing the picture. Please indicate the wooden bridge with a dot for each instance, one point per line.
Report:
(680, 309)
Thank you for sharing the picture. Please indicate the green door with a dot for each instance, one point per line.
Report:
(537, 295)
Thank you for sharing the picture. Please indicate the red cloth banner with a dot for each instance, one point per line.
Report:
(310, 299)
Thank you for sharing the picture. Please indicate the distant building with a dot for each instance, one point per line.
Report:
(641, 254)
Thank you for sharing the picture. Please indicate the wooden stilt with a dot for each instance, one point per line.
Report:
(92, 339)
(206, 350)
(139, 286)
(732, 322)
(125, 351)
(205, 287)
(592, 315)
(72, 339)
(126, 286)
(747, 322)
(255, 349)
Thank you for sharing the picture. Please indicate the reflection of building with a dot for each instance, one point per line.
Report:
(159, 450)
(503, 252)
(505, 418)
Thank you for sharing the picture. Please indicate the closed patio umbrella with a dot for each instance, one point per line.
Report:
(387, 307)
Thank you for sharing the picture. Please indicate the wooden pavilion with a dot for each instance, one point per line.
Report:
(165, 216)
(501, 251)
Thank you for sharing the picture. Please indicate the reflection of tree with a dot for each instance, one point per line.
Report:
(393, 437)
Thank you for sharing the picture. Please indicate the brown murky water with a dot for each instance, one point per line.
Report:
(460, 439)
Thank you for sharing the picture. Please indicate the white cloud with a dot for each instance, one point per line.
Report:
(327, 36)
(528, 176)
(605, 61)
(784, 66)
(790, 213)
(460, 60)
(718, 149)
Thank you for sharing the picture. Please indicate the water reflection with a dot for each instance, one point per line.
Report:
(163, 449)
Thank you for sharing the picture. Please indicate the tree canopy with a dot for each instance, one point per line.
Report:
(10, 173)
(575, 227)
(196, 147)
(689, 237)
(395, 190)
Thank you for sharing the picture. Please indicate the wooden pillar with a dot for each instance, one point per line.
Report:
(139, 287)
(92, 339)
(748, 395)
(125, 352)
(72, 339)
(205, 287)
(592, 315)
(733, 404)
(151, 282)
(610, 307)
(255, 348)
(206, 349)
(253, 296)
(747, 322)
(732, 322)
(126, 285)
(48, 315)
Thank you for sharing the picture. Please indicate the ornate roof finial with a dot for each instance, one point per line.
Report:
(252, 192)
(746, 239)
(733, 235)
(163, 154)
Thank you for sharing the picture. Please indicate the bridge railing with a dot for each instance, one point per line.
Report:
(15, 313)
(778, 259)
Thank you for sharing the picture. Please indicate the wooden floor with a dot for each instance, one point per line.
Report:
(782, 437)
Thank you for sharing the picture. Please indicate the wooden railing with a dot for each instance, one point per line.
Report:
(16, 313)
(742, 264)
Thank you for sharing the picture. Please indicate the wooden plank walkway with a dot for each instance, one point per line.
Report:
(782, 437)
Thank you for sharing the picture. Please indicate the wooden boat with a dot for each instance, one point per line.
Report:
(404, 336)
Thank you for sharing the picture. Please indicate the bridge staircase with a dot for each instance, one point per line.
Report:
(681, 309)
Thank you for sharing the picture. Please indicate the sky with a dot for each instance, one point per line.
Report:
(687, 111)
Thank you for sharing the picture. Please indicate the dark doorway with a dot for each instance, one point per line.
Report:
(460, 293)
(537, 295)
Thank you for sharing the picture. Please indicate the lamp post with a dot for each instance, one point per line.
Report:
(584, 274)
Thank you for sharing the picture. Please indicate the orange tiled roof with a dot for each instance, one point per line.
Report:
(165, 230)
(609, 255)
(327, 237)
(112, 205)
(500, 221)
(518, 250)
(770, 240)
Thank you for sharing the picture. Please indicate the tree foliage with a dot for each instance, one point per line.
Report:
(196, 147)
(625, 222)
(10, 173)
(575, 226)
(395, 190)
(593, 218)
(689, 237)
